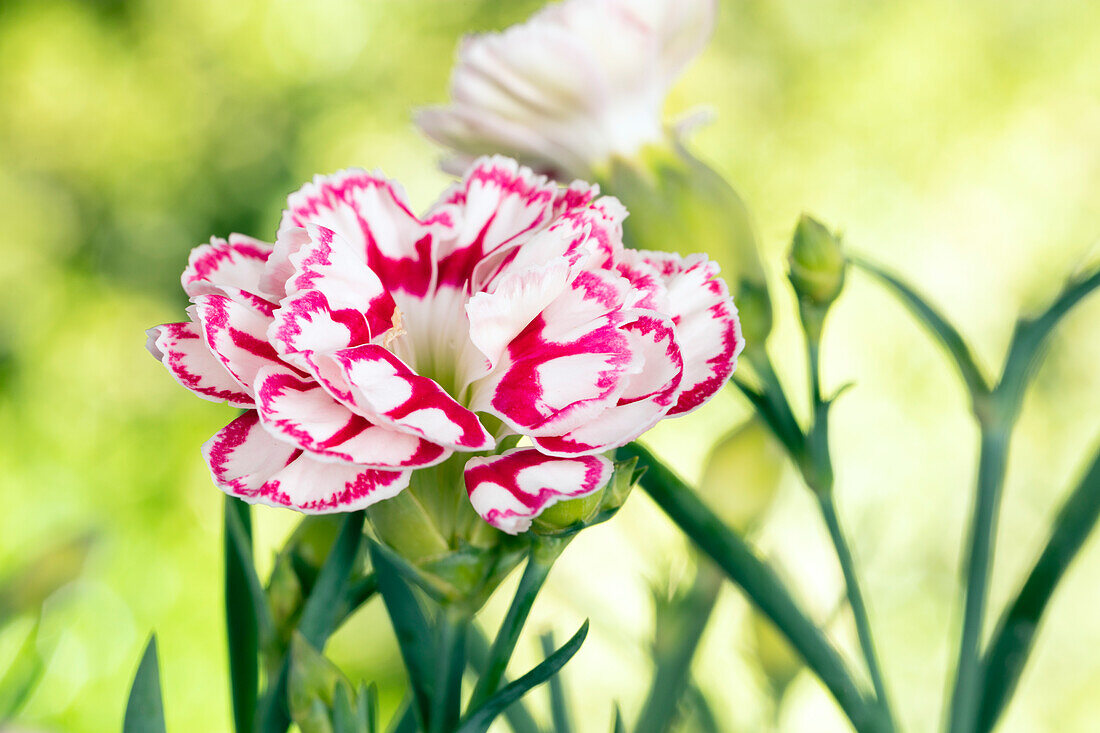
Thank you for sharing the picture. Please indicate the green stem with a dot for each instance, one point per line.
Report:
(519, 718)
(539, 562)
(454, 627)
(559, 704)
(855, 600)
(983, 529)
(759, 582)
(241, 616)
(1008, 650)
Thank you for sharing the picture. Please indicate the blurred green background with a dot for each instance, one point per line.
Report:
(959, 143)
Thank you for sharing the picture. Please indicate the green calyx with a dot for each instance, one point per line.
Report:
(566, 518)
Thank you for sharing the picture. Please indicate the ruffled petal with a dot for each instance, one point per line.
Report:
(498, 204)
(648, 396)
(180, 348)
(372, 214)
(568, 364)
(300, 412)
(374, 382)
(236, 333)
(333, 300)
(707, 327)
(248, 463)
(511, 489)
(227, 267)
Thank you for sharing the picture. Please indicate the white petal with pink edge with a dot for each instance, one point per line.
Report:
(300, 412)
(377, 384)
(236, 264)
(248, 463)
(373, 215)
(511, 489)
(237, 334)
(647, 398)
(568, 364)
(181, 349)
(707, 327)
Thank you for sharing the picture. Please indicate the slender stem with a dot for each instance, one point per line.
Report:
(454, 627)
(534, 575)
(983, 531)
(519, 718)
(760, 584)
(855, 600)
(1008, 650)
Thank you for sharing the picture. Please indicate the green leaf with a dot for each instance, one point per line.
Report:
(404, 720)
(479, 720)
(410, 626)
(519, 718)
(530, 583)
(344, 718)
(246, 612)
(145, 709)
(559, 703)
(367, 707)
(947, 334)
(320, 614)
(1011, 644)
(453, 628)
(759, 582)
(21, 677)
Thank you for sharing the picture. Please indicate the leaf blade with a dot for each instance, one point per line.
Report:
(145, 707)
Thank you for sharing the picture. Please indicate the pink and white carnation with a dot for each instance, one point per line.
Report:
(368, 342)
(581, 80)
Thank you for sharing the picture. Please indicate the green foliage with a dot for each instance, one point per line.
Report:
(145, 708)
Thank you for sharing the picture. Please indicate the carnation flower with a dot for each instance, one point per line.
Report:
(367, 343)
(578, 82)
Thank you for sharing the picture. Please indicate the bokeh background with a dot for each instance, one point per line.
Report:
(959, 143)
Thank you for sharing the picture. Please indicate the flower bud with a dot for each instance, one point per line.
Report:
(569, 517)
(743, 475)
(677, 202)
(817, 264)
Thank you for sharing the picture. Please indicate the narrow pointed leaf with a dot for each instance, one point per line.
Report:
(479, 720)
(404, 721)
(320, 615)
(617, 724)
(1012, 641)
(344, 718)
(246, 613)
(410, 626)
(947, 334)
(518, 716)
(145, 708)
(367, 708)
(534, 575)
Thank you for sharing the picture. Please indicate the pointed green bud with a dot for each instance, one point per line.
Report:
(678, 203)
(817, 264)
(569, 517)
(743, 474)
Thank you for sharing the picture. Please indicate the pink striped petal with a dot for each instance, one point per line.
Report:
(511, 489)
(236, 333)
(569, 364)
(374, 382)
(648, 396)
(499, 202)
(180, 348)
(248, 463)
(334, 300)
(299, 411)
(707, 327)
(372, 214)
(236, 265)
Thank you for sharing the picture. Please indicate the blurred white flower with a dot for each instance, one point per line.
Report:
(578, 82)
